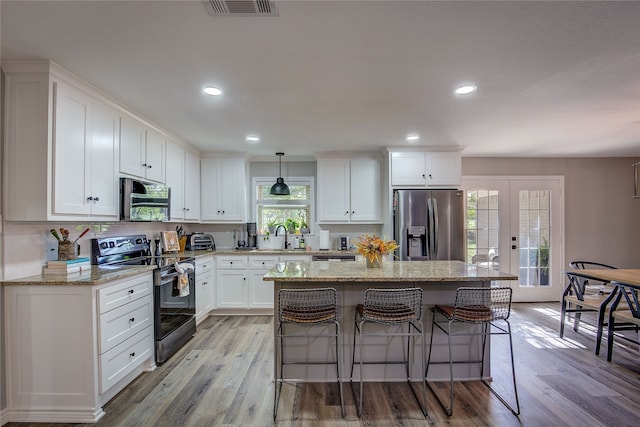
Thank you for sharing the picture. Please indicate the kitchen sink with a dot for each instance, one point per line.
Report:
(270, 243)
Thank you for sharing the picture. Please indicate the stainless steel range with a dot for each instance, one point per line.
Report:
(174, 308)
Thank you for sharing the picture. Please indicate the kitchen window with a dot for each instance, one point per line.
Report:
(295, 208)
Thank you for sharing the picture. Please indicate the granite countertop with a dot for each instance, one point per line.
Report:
(95, 276)
(391, 271)
(99, 275)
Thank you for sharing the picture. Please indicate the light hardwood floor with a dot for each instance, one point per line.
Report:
(223, 376)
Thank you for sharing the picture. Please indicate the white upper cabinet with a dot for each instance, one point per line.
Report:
(61, 148)
(223, 189)
(183, 177)
(142, 150)
(175, 180)
(192, 187)
(426, 169)
(349, 190)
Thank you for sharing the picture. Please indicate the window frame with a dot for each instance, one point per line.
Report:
(298, 180)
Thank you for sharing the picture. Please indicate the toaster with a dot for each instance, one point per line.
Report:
(200, 241)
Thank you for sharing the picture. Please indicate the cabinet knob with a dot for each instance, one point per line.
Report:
(130, 291)
(204, 283)
(353, 212)
(430, 176)
(133, 319)
(89, 198)
(132, 354)
(222, 212)
(96, 199)
(144, 165)
(346, 213)
(149, 166)
(218, 212)
(424, 176)
(230, 262)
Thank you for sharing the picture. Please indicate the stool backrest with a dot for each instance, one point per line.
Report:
(307, 306)
(392, 305)
(479, 305)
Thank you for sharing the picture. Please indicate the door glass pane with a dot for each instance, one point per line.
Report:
(534, 214)
(483, 228)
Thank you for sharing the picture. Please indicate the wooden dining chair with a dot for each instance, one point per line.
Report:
(583, 294)
(624, 317)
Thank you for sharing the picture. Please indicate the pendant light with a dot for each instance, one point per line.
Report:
(280, 188)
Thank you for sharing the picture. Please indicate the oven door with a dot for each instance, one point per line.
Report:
(170, 309)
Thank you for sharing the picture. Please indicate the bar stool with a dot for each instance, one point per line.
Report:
(390, 307)
(477, 306)
(306, 307)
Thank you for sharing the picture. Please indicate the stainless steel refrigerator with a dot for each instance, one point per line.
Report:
(429, 224)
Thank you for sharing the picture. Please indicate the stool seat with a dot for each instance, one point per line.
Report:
(390, 314)
(471, 313)
(306, 315)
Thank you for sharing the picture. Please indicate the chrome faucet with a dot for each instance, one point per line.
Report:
(286, 246)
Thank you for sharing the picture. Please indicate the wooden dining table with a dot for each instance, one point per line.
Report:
(630, 276)
(626, 283)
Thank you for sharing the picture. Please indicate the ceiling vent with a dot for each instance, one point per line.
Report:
(240, 7)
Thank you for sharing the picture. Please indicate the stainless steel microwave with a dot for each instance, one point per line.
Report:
(144, 201)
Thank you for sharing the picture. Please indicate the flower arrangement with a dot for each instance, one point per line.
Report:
(373, 248)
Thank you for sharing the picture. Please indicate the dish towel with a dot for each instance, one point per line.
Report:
(183, 278)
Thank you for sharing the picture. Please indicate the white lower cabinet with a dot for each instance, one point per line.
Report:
(260, 292)
(70, 349)
(239, 284)
(231, 282)
(205, 287)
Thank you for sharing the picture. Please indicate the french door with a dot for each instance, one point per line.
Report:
(516, 225)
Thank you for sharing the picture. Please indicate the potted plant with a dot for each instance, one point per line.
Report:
(543, 257)
(304, 228)
(271, 226)
(291, 225)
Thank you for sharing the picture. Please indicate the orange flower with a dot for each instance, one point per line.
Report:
(374, 248)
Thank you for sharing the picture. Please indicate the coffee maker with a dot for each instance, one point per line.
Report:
(252, 234)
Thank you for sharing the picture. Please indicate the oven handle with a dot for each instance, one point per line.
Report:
(168, 278)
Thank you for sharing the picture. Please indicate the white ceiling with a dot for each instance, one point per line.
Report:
(554, 78)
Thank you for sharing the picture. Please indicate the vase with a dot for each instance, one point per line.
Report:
(376, 263)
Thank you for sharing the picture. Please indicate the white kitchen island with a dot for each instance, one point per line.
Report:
(438, 280)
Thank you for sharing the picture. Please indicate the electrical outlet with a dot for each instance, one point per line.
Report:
(52, 248)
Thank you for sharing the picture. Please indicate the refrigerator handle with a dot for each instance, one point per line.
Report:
(434, 231)
(429, 237)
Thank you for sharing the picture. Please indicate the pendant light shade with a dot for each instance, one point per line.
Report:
(280, 188)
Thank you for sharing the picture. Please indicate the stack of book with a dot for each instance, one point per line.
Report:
(68, 266)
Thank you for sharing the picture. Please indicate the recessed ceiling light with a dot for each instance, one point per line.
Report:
(465, 89)
(253, 138)
(413, 137)
(213, 91)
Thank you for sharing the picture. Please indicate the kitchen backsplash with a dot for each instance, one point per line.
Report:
(27, 246)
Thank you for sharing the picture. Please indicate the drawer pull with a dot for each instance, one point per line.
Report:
(133, 319)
